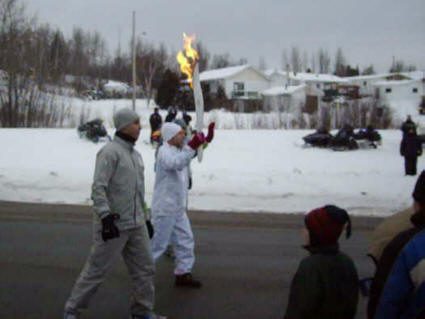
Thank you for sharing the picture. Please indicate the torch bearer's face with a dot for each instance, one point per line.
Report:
(187, 58)
(178, 139)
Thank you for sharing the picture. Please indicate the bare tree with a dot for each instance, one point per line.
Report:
(296, 60)
(313, 63)
(305, 61)
(324, 61)
(204, 56)
(285, 59)
(340, 63)
(150, 63)
(368, 70)
(262, 65)
(220, 61)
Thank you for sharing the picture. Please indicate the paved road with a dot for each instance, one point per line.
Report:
(245, 261)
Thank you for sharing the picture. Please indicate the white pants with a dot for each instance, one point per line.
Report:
(174, 230)
(133, 245)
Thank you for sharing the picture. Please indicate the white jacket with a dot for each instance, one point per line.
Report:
(171, 180)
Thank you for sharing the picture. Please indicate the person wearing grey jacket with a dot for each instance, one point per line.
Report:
(121, 224)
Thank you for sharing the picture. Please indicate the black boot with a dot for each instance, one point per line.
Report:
(186, 280)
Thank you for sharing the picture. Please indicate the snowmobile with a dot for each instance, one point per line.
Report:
(344, 139)
(368, 137)
(320, 138)
(93, 130)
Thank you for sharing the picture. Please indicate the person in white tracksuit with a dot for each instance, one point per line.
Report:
(169, 202)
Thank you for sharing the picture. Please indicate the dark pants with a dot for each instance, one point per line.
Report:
(410, 164)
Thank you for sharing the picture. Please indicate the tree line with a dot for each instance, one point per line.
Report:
(38, 63)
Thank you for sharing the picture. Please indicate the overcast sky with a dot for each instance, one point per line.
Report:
(368, 31)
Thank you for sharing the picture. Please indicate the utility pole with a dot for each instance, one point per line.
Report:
(133, 42)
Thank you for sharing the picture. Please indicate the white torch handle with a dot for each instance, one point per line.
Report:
(199, 106)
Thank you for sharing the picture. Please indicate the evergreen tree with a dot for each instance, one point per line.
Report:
(168, 89)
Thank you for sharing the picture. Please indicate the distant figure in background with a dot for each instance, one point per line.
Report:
(408, 125)
(325, 285)
(410, 149)
(172, 113)
(186, 118)
(155, 121)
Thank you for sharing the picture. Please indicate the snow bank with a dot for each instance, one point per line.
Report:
(243, 170)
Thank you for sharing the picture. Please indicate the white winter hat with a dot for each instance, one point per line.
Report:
(169, 130)
(124, 117)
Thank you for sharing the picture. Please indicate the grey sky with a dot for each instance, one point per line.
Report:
(369, 31)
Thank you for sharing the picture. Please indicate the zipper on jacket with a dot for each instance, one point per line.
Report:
(135, 188)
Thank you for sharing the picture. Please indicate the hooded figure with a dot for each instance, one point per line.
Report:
(121, 223)
(326, 282)
(410, 149)
(169, 201)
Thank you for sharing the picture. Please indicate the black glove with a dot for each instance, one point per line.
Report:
(109, 229)
(149, 226)
(190, 183)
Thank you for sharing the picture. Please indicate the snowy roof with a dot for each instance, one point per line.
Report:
(315, 77)
(307, 77)
(415, 75)
(223, 73)
(368, 77)
(269, 72)
(282, 90)
(395, 82)
(115, 85)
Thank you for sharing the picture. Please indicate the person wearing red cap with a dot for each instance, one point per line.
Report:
(326, 282)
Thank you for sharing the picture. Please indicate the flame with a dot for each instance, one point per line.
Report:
(188, 58)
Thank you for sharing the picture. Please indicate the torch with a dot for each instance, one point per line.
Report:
(188, 61)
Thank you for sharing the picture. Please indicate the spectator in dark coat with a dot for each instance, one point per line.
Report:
(398, 289)
(171, 115)
(186, 118)
(410, 149)
(155, 121)
(408, 125)
(326, 282)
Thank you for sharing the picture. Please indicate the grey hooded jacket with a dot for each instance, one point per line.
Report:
(119, 185)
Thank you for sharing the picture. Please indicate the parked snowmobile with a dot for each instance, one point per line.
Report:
(368, 136)
(93, 130)
(344, 140)
(320, 138)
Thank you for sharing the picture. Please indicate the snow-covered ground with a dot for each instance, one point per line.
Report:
(243, 170)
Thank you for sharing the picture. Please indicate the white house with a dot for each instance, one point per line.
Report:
(403, 97)
(238, 82)
(366, 82)
(316, 81)
(277, 77)
(284, 98)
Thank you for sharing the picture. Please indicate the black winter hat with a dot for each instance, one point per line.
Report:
(419, 191)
